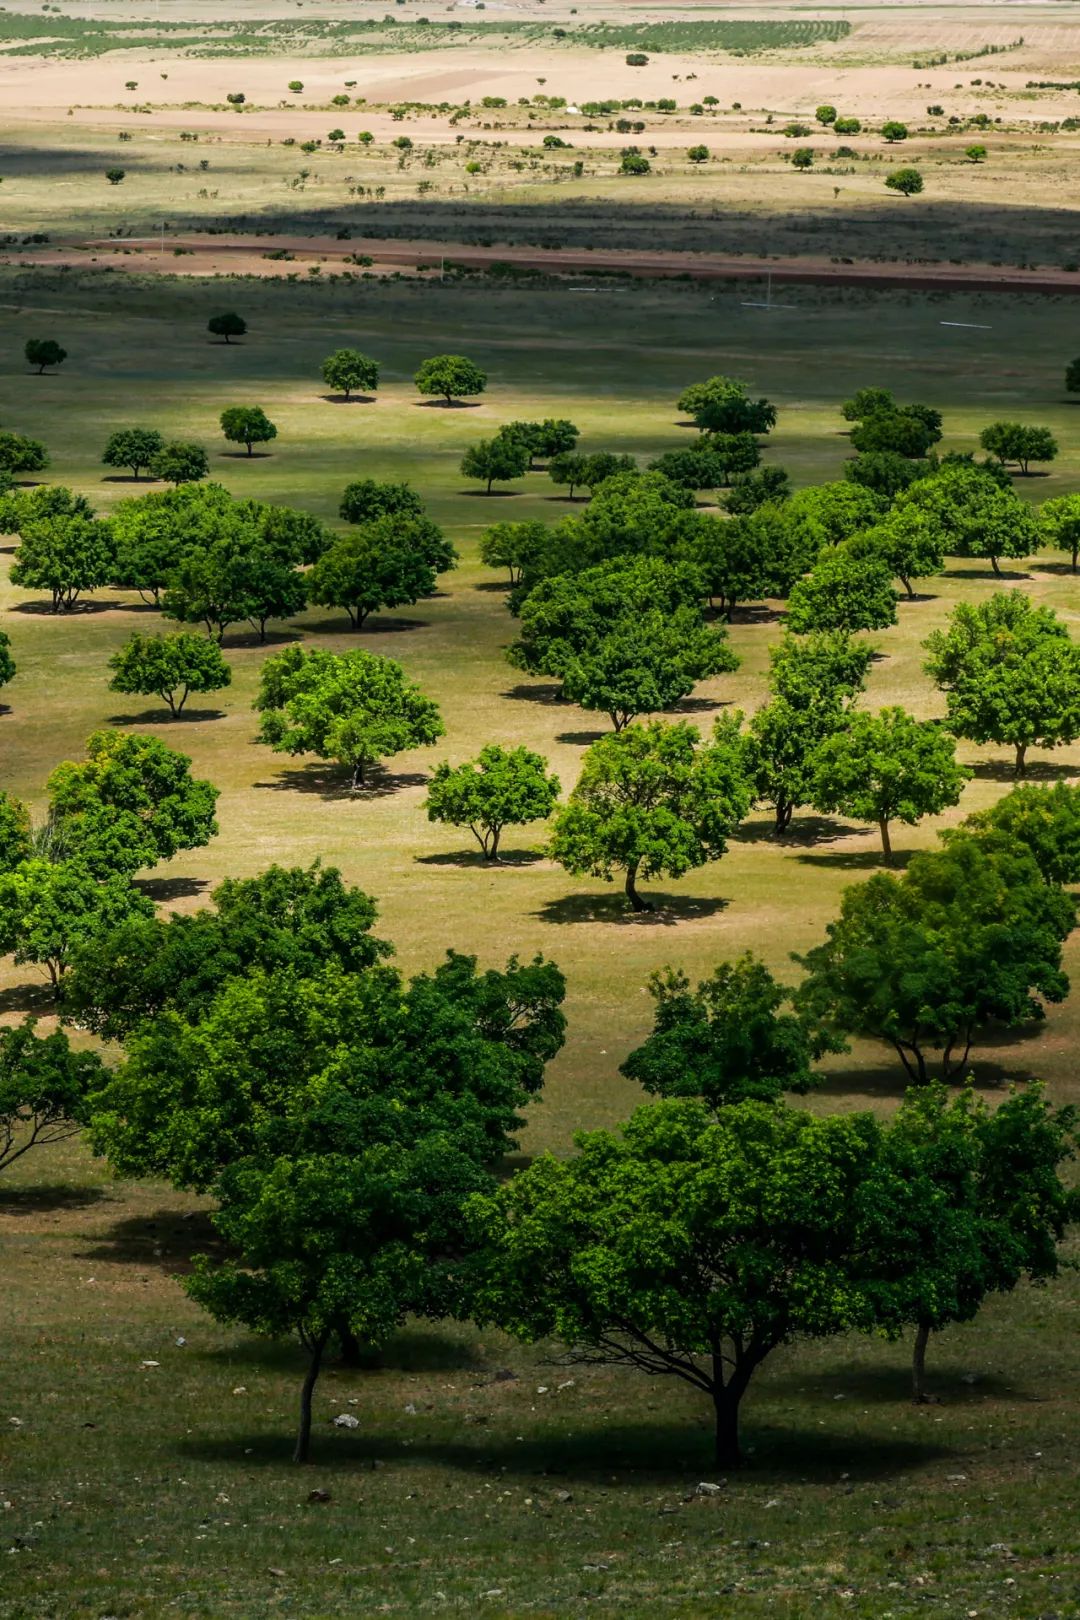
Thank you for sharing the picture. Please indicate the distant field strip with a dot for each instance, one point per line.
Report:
(54, 35)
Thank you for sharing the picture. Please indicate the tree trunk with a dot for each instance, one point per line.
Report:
(303, 1434)
(631, 890)
(1075, 554)
(249, 447)
(918, 1363)
(886, 844)
(358, 774)
(726, 1404)
(784, 812)
(491, 849)
(994, 565)
(906, 583)
(351, 1348)
(1020, 768)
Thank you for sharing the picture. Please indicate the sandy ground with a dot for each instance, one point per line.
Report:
(236, 255)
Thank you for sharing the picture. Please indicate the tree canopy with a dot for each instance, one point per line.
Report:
(496, 460)
(450, 376)
(66, 555)
(375, 567)
(44, 352)
(1016, 441)
(227, 325)
(169, 667)
(132, 447)
(843, 592)
(348, 371)
(48, 909)
(44, 1089)
(500, 788)
(722, 405)
(248, 425)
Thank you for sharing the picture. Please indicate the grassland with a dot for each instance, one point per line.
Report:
(140, 1490)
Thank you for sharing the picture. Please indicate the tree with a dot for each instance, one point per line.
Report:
(973, 514)
(894, 131)
(376, 567)
(44, 1087)
(887, 767)
(900, 432)
(48, 909)
(296, 919)
(1059, 525)
(975, 154)
(633, 162)
(802, 157)
(500, 788)
(500, 458)
(1013, 441)
(169, 667)
(652, 800)
(16, 833)
(1010, 673)
(552, 437)
(1072, 377)
(750, 490)
(698, 154)
(42, 352)
(884, 472)
(695, 468)
(367, 499)
(826, 114)
(568, 468)
(1044, 820)
(692, 1245)
(339, 1180)
(21, 454)
(7, 663)
(239, 577)
(181, 462)
(131, 803)
(115, 176)
(227, 325)
(968, 935)
(727, 1042)
(65, 555)
(152, 533)
(355, 708)
(645, 663)
(132, 447)
(514, 546)
(909, 182)
(450, 376)
(843, 592)
(247, 424)
(731, 453)
(721, 405)
(840, 510)
(866, 402)
(347, 370)
(906, 541)
(846, 126)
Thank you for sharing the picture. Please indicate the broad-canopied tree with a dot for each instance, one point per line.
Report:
(348, 371)
(502, 787)
(44, 1089)
(169, 667)
(48, 909)
(248, 425)
(646, 663)
(134, 448)
(376, 567)
(450, 377)
(722, 405)
(67, 555)
(843, 592)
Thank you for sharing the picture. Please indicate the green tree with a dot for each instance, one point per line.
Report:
(1014, 441)
(647, 662)
(887, 767)
(181, 462)
(802, 157)
(132, 447)
(843, 592)
(48, 909)
(227, 325)
(1072, 377)
(693, 1244)
(131, 803)
(1044, 820)
(900, 432)
(153, 532)
(726, 1042)
(721, 405)
(846, 126)
(884, 472)
(1059, 525)
(698, 154)
(42, 352)
(633, 162)
(840, 510)
(973, 514)
(552, 437)
(376, 567)
(652, 801)
(44, 1089)
(695, 468)
(296, 919)
(975, 154)
(367, 499)
(733, 453)
(236, 578)
(450, 377)
(868, 402)
(514, 546)
(498, 459)
(7, 662)
(907, 541)
(248, 425)
(21, 454)
(16, 833)
(908, 182)
(750, 490)
(115, 176)
(826, 114)
(169, 667)
(347, 370)
(1010, 673)
(65, 555)
(967, 936)
(355, 708)
(500, 788)
(894, 131)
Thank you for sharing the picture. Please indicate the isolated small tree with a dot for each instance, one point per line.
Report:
(44, 1089)
(846, 126)
(1010, 673)
(348, 371)
(825, 114)
(652, 800)
(132, 447)
(18, 453)
(354, 708)
(634, 163)
(376, 567)
(907, 541)
(975, 154)
(169, 667)
(500, 788)
(722, 405)
(1013, 441)
(802, 157)
(908, 182)
(181, 462)
(248, 425)
(115, 176)
(887, 767)
(42, 352)
(893, 131)
(450, 377)
(49, 909)
(66, 555)
(698, 154)
(227, 325)
(843, 592)
(901, 432)
(514, 546)
(973, 514)
(496, 460)
(568, 469)
(1059, 522)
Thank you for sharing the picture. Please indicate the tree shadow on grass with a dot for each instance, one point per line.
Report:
(331, 782)
(581, 739)
(803, 832)
(501, 585)
(1064, 568)
(411, 1351)
(236, 640)
(164, 889)
(985, 572)
(569, 500)
(474, 859)
(168, 1239)
(538, 691)
(668, 909)
(652, 1453)
(47, 1196)
(447, 404)
(698, 705)
(242, 455)
(376, 625)
(751, 613)
(43, 609)
(1038, 770)
(353, 399)
(128, 478)
(32, 996)
(493, 494)
(860, 860)
(888, 1386)
(162, 717)
(889, 1080)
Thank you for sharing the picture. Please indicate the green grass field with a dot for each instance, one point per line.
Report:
(141, 1490)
